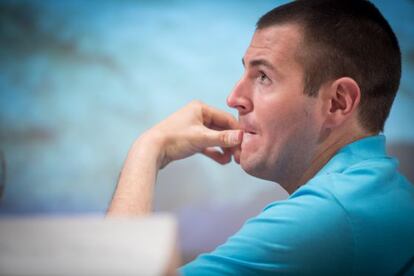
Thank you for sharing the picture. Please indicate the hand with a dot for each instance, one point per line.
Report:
(195, 128)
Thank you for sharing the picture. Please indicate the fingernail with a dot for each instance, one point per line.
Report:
(234, 137)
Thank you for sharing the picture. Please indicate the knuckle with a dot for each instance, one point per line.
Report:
(204, 135)
(223, 138)
(196, 103)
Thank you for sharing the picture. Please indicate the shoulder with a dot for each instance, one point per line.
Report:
(312, 216)
(305, 234)
(365, 181)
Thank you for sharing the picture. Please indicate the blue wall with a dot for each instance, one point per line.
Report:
(80, 80)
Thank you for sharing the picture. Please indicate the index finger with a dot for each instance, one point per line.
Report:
(216, 118)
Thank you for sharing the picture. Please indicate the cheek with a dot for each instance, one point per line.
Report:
(280, 122)
(287, 125)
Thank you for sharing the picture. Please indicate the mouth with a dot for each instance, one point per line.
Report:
(248, 135)
(249, 132)
(248, 129)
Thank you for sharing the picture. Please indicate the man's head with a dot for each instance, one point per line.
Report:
(346, 38)
(316, 72)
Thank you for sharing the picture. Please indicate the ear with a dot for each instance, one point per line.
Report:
(342, 98)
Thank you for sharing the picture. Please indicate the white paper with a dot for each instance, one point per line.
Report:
(87, 246)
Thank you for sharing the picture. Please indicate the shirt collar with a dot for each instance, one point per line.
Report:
(365, 148)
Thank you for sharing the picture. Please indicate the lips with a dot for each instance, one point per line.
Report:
(249, 133)
(248, 128)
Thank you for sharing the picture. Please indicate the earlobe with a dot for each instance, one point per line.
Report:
(343, 99)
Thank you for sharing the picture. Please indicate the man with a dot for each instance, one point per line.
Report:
(320, 78)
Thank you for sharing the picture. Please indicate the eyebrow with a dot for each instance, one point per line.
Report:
(259, 62)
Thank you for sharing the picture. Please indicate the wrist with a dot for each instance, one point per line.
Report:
(151, 146)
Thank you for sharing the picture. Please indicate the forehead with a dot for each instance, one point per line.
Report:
(277, 44)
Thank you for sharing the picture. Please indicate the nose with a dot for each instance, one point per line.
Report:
(240, 99)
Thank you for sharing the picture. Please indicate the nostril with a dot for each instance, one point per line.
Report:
(241, 108)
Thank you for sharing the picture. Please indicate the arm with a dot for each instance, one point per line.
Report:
(194, 128)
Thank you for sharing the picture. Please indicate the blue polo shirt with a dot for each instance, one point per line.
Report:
(355, 217)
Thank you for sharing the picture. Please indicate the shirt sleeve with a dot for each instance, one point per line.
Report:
(307, 234)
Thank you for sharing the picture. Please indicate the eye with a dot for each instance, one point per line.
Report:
(263, 78)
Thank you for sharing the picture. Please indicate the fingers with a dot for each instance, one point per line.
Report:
(228, 140)
(224, 138)
(235, 151)
(218, 156)
(218, 119)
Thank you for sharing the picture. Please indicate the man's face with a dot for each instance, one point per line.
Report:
(280, 123)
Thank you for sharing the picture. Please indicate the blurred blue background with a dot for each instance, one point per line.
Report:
(80, 80)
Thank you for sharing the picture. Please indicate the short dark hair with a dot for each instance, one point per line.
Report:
(346, 38)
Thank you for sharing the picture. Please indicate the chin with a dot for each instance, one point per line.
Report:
(258, 168)
(255, 169)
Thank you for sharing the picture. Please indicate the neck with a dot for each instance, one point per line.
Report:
(325, 151)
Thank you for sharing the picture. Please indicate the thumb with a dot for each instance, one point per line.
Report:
(224, 138)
